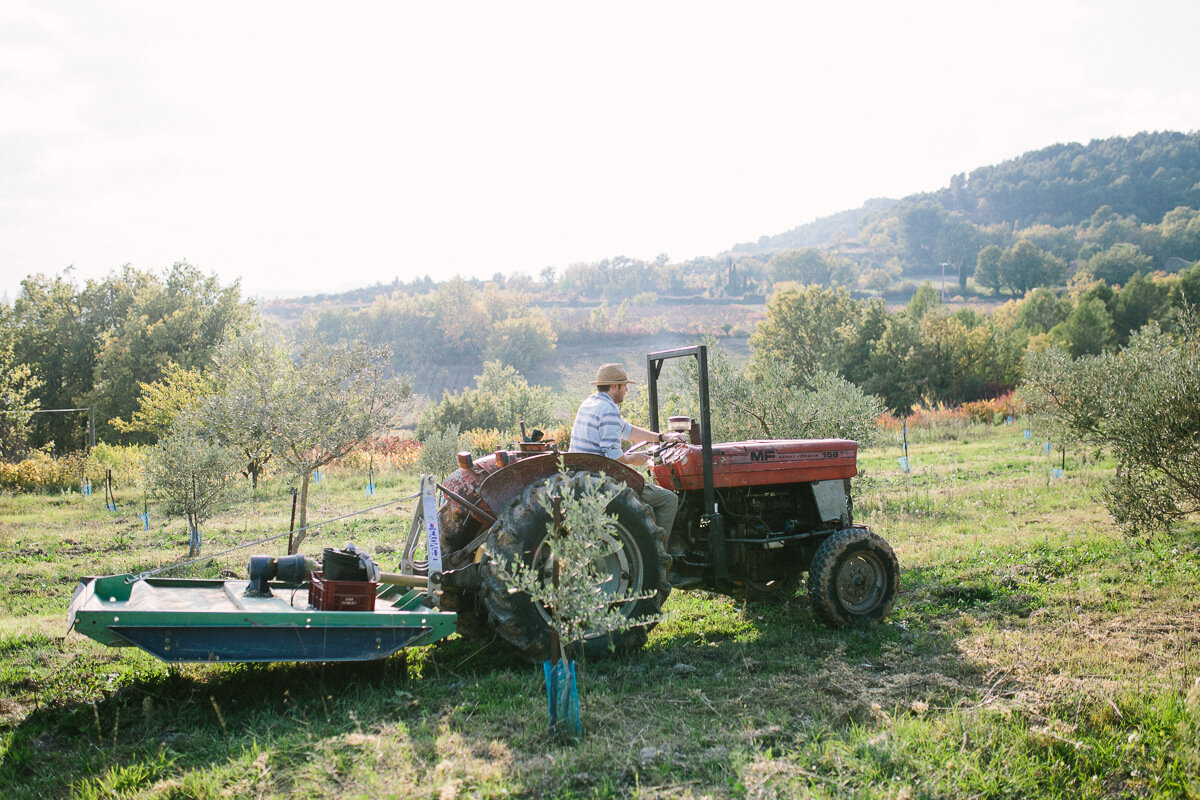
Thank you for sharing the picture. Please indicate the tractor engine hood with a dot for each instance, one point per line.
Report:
(758, 463)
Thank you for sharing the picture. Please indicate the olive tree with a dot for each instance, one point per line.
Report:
(189, 472)
(565, 576)
(308, 411)
(255, 374)
(1143, 405)
(777, 402)
(501, 399)
(439, 452)
(330, 399)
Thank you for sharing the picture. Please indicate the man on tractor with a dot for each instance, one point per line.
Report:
(600, 429)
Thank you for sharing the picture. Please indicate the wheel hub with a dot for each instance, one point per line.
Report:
(860, 582)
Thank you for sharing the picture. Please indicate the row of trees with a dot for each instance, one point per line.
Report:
(480, 320)
(1143, 405)
(95, 345)
(1072, 202)
(926, 353)
(457, 321)
(257, 404)
(179, 360)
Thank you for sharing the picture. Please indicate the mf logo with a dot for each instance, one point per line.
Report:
(763, 455)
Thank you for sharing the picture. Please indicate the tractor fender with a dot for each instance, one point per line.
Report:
(499, 488)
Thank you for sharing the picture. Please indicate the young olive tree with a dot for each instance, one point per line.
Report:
(331, 399)
(254, 372)
(566, 577)
(189, 472)
(439, 452)
(1142, 404)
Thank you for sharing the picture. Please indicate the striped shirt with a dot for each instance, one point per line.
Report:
(599, 427)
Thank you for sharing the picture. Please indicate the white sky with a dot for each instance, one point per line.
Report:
(315, 146)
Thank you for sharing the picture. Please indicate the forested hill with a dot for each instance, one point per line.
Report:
(819, 232)
(1143, 176)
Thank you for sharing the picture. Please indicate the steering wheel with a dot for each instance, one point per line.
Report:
(657, 448)
(637, 447)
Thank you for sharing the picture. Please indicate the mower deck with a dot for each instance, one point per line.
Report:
(214, 620)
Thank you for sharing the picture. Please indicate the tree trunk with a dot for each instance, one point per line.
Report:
(303, 521)
(194, 537)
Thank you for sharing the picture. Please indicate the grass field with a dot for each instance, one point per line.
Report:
(1033, 652)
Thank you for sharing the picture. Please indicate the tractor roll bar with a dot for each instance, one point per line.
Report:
(654, 365)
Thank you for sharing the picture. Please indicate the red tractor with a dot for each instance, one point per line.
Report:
(753, 517)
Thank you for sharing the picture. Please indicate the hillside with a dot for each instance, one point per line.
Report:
(1109, 230)
(1108, 210)
(1143, 176)
(1075, 189)
(817, 233)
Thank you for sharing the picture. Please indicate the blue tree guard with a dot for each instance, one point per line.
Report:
(562, 696)
(145, 518)
(1028, 433)
(905, 465)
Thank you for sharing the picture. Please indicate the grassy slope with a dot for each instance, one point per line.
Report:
(1033, 652)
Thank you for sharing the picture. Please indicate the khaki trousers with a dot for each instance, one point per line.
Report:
(664, 503)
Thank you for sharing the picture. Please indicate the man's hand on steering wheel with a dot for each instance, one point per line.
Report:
(667, 440)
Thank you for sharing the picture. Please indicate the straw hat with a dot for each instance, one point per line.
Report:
(610, 375)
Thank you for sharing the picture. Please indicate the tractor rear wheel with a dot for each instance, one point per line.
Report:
(853, 578)
(636, 564)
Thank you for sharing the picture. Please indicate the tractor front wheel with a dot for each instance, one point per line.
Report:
(635, 565)
(853, 578)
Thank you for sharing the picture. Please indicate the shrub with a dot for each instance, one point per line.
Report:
(439, 452)
(43, 473)
(645, 299)
(996, 410)
(127, 463)
(560, 435)
(482, 442)
(501, 399)
(382, 452)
